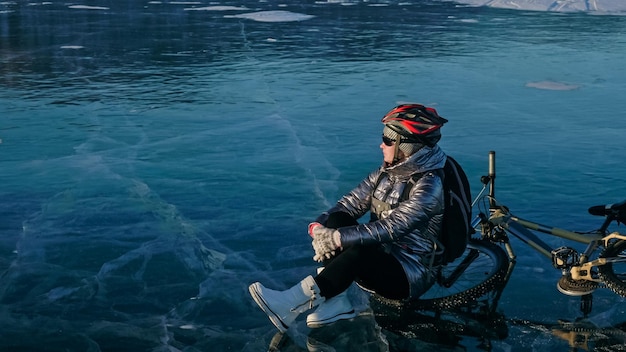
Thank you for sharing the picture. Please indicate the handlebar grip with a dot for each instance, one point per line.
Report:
(492, 164)
(600, 210)
(617, 209)
(492, 178)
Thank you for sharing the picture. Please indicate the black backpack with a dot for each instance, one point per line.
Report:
(457, 214)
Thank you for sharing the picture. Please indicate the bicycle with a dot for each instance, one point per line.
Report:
(489, 258)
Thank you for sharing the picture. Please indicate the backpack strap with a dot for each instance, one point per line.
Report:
(409, 186)
(380, 178)
(406, 192)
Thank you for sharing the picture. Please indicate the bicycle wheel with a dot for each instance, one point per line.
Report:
(487, 265)
(614, 273)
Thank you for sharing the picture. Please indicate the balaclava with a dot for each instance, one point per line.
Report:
(407, 148)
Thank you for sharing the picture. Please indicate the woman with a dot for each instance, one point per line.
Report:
(391, 255)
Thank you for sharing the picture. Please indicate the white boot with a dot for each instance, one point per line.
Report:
(283, 307)
(331, 310)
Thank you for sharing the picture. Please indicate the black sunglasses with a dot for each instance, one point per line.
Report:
(388, 141)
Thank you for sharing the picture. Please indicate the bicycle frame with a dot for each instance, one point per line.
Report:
(501, 220)
(487, 263)
(519, 228)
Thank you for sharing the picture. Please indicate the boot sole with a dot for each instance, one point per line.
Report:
(258, 298)
(319, 323)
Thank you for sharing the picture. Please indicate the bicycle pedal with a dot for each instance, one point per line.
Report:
(564, 257)
(568, 286)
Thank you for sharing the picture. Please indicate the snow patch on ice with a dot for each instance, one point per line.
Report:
(596, 6)
(218, 8)
(273, 16)
(552, 85)
(86, 7)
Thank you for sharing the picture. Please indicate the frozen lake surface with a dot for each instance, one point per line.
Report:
(158, 157)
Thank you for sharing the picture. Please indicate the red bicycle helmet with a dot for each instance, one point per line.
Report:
(416, 122)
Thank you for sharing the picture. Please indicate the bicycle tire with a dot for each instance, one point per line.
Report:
(614, 277)
(483, 275)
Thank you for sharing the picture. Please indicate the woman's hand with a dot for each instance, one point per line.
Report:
(325, 241)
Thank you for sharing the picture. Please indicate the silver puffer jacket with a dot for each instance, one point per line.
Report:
(406, 231)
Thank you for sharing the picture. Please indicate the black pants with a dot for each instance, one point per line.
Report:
(369, 265)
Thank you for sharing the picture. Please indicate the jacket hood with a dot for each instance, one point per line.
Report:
(425, 159)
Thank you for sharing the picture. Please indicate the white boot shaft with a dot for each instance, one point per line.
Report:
(332, 310)
(283, 307)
